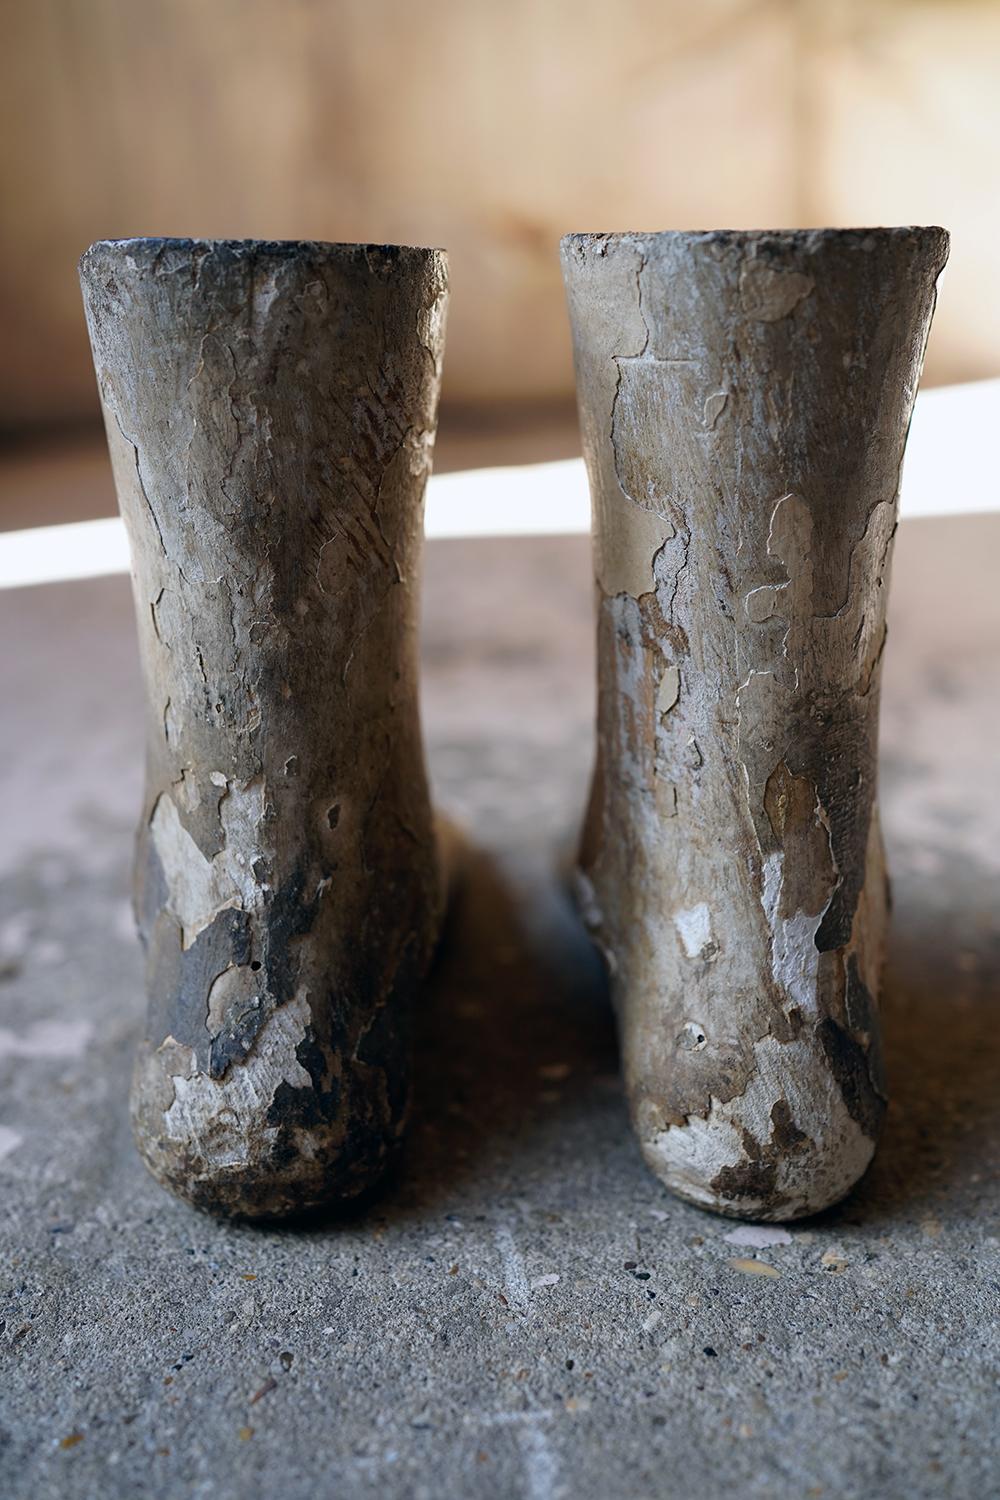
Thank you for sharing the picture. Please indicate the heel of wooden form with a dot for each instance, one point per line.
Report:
(744, 403)
(270, 410)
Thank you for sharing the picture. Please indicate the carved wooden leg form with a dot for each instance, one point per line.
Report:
(744, 400)
(270, 409)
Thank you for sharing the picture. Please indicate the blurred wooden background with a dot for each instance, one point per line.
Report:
(489, 128)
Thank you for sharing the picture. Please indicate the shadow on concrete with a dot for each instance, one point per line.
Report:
(516, 1039)
(515, 1035)
(941, 1019)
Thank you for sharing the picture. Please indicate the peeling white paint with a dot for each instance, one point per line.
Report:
(694, 924)
(794, 955)
(219, 1120)
(199, 888)
(668, 691)
(626, 547)
(187, 791)
(236, 985)
(714, 406)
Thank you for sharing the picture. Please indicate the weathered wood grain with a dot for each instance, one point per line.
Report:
(744, 402)
(270, 410)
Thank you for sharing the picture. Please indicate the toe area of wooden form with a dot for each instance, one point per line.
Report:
(287, 1130)
(796, 1140)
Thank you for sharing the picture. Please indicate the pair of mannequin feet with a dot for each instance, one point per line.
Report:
(270, 410)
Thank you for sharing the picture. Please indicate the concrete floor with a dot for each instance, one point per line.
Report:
(524, 1312)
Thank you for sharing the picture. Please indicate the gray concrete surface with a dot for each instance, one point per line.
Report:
(524, 1311)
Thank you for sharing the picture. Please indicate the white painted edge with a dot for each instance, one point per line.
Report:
(950, 470)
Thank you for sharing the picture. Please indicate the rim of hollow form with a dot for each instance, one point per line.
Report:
(805, 239)
(149, 246)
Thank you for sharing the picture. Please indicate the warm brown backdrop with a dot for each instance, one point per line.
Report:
(489, 128)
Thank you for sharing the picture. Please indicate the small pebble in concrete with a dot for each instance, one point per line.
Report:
(753, 1267)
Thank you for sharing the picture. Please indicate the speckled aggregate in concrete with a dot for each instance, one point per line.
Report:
(524, 1312)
